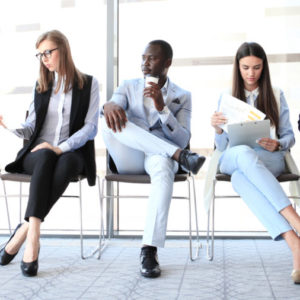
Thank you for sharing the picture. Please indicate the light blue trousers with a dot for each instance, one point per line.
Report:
(136, 151)
(253, 176)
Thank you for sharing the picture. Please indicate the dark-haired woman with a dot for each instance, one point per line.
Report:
(254, 171)
(61, 126)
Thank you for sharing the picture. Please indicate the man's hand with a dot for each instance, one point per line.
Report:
(46, 145)
(269, 144)
(115, 116)
(153, 91)
(1, 122)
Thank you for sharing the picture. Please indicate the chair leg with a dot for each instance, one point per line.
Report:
(20, 203)
(111, 200)
(100, 246)
(7, 209)
(102, 241)
(198, 244)
(210, 239)
(111, 213)
(108, 209)
(81, 230)
(117, 209)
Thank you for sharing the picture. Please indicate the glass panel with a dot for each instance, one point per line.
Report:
(205, 36)
(21, 22)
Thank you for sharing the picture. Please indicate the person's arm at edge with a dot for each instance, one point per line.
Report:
(285, 131)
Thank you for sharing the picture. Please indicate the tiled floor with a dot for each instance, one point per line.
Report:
(242, 269)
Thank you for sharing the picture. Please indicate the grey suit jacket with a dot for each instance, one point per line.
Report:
(176, 129)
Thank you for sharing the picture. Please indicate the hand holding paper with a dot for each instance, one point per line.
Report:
(237, 111)
(1, 122)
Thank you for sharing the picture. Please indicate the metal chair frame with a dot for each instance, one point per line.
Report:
(112, 177)
(24, 178)
(285, 177)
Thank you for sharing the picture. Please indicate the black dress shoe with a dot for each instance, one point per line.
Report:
(149, 262)
(30, 269)
(6, 258)
(191, 161)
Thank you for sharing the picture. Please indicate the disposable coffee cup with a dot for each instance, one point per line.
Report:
(150, 79)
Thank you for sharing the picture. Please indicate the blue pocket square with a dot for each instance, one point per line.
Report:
(176, 101)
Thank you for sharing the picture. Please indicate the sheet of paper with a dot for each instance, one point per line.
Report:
(237, 111)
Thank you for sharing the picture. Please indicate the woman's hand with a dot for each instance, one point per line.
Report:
(218, 119)
(1, 122)
(46, 145)
(269, 144)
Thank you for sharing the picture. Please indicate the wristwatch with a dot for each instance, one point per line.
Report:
(279, 147)
(164, 111)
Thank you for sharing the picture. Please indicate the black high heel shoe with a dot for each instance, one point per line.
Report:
(29, 269)
(6, 258)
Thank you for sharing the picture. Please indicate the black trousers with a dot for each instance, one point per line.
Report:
(51, 174)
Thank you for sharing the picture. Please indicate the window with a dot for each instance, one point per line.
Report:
(21, 22)
(205, 36)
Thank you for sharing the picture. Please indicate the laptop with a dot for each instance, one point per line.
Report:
(247, 133)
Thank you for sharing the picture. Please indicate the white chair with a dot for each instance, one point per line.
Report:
(290, 175)
(24, 178)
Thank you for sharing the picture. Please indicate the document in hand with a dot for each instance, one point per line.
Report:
(237, 111)
(248, 133)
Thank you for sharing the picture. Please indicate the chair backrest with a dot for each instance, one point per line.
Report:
(25, 141)
(111, 164)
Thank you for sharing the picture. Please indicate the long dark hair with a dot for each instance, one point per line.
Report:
(266, 101)
(66, 65)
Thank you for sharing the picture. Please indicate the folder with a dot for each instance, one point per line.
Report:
(248, 133)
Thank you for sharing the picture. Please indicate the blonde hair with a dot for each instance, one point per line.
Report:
(66, 68)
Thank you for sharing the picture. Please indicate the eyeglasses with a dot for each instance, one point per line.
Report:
(46, 53)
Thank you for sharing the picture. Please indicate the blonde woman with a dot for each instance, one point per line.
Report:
(61, 126)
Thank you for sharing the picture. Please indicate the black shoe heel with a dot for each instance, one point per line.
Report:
(30, 269)
(6, 258)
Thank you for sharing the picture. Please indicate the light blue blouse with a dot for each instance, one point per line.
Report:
(285, 130)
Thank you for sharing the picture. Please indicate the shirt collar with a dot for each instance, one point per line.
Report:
(56, 80)
(253, 93)
(164, 89)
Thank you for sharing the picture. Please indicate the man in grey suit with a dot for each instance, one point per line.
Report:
(146, 128)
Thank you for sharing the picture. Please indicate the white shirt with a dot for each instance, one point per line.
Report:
(251, 96)
(285, 130)
(58, 117)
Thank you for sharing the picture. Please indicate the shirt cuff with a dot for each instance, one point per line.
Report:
(101, 110)
(15, 131)
(64, 147)
(284, 144)
(221, 141)
(164, 114)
